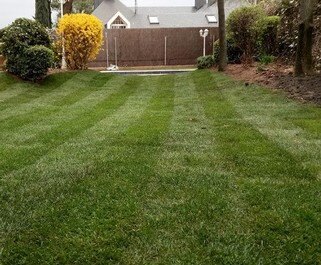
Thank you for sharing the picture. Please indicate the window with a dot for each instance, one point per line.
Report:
(153, 20)
(118, 23)
(211, 19)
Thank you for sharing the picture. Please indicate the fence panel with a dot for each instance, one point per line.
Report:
(146, 47)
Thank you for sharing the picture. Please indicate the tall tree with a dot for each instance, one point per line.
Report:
(74, 6)
(68, 6)
(222, 61)
(83, 6)
(304, 57)
(43, 12)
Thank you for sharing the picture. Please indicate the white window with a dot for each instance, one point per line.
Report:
(211, 19)
(153, 20)
(119, 23)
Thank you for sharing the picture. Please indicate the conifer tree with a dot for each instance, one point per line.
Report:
(43, 12)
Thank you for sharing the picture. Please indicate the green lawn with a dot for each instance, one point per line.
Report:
(186, 169)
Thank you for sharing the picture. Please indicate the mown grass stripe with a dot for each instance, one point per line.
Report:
(6, 81)
(268, 183)
(155, 180)
(18, 156)
(97, 179)
(194, 203)
(242, 145)
(278, 120)
(16, 134)
(26, 92)
(48, 98)
(70, 157)
(13, 92)
(41, 112)
(186, 188)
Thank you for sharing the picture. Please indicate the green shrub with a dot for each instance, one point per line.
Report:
(36, 62)
(1, 32)
(205, 62)
(266, 59)
(33, 64)
(216, 51)
(21, 58)
(242, 29)
(1, 36)
(268, 35)
(234, 53)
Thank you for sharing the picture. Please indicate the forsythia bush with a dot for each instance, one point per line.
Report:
(83, 36)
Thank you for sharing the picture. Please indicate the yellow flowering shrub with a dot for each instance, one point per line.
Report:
(83, 37)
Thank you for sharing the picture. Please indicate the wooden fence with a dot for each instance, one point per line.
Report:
(149, 47)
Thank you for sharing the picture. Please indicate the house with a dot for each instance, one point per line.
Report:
(141, 35)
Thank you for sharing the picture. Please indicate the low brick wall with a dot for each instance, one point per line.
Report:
(146, 47)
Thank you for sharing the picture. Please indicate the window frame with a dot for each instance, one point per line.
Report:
(211, 19)
(153, 20)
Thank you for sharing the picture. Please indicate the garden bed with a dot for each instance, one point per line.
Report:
(278, 76)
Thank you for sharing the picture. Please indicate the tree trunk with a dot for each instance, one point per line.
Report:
(68, 7)
(299, 71)
(304, 57)
(222, 61)
(308, 42)
(49, 13)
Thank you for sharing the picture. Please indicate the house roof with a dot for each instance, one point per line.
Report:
(169, 17)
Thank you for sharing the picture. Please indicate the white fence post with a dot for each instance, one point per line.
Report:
(165, 50)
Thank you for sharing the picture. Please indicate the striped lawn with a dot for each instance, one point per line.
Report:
(179, 169)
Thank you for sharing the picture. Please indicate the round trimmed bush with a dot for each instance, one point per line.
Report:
(205, 62)
(37, 59)
(26, 49)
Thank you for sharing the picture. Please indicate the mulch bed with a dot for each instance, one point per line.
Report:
(303, 88)
(278, 76)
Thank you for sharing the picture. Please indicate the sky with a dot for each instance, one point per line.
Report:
(12, 9)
